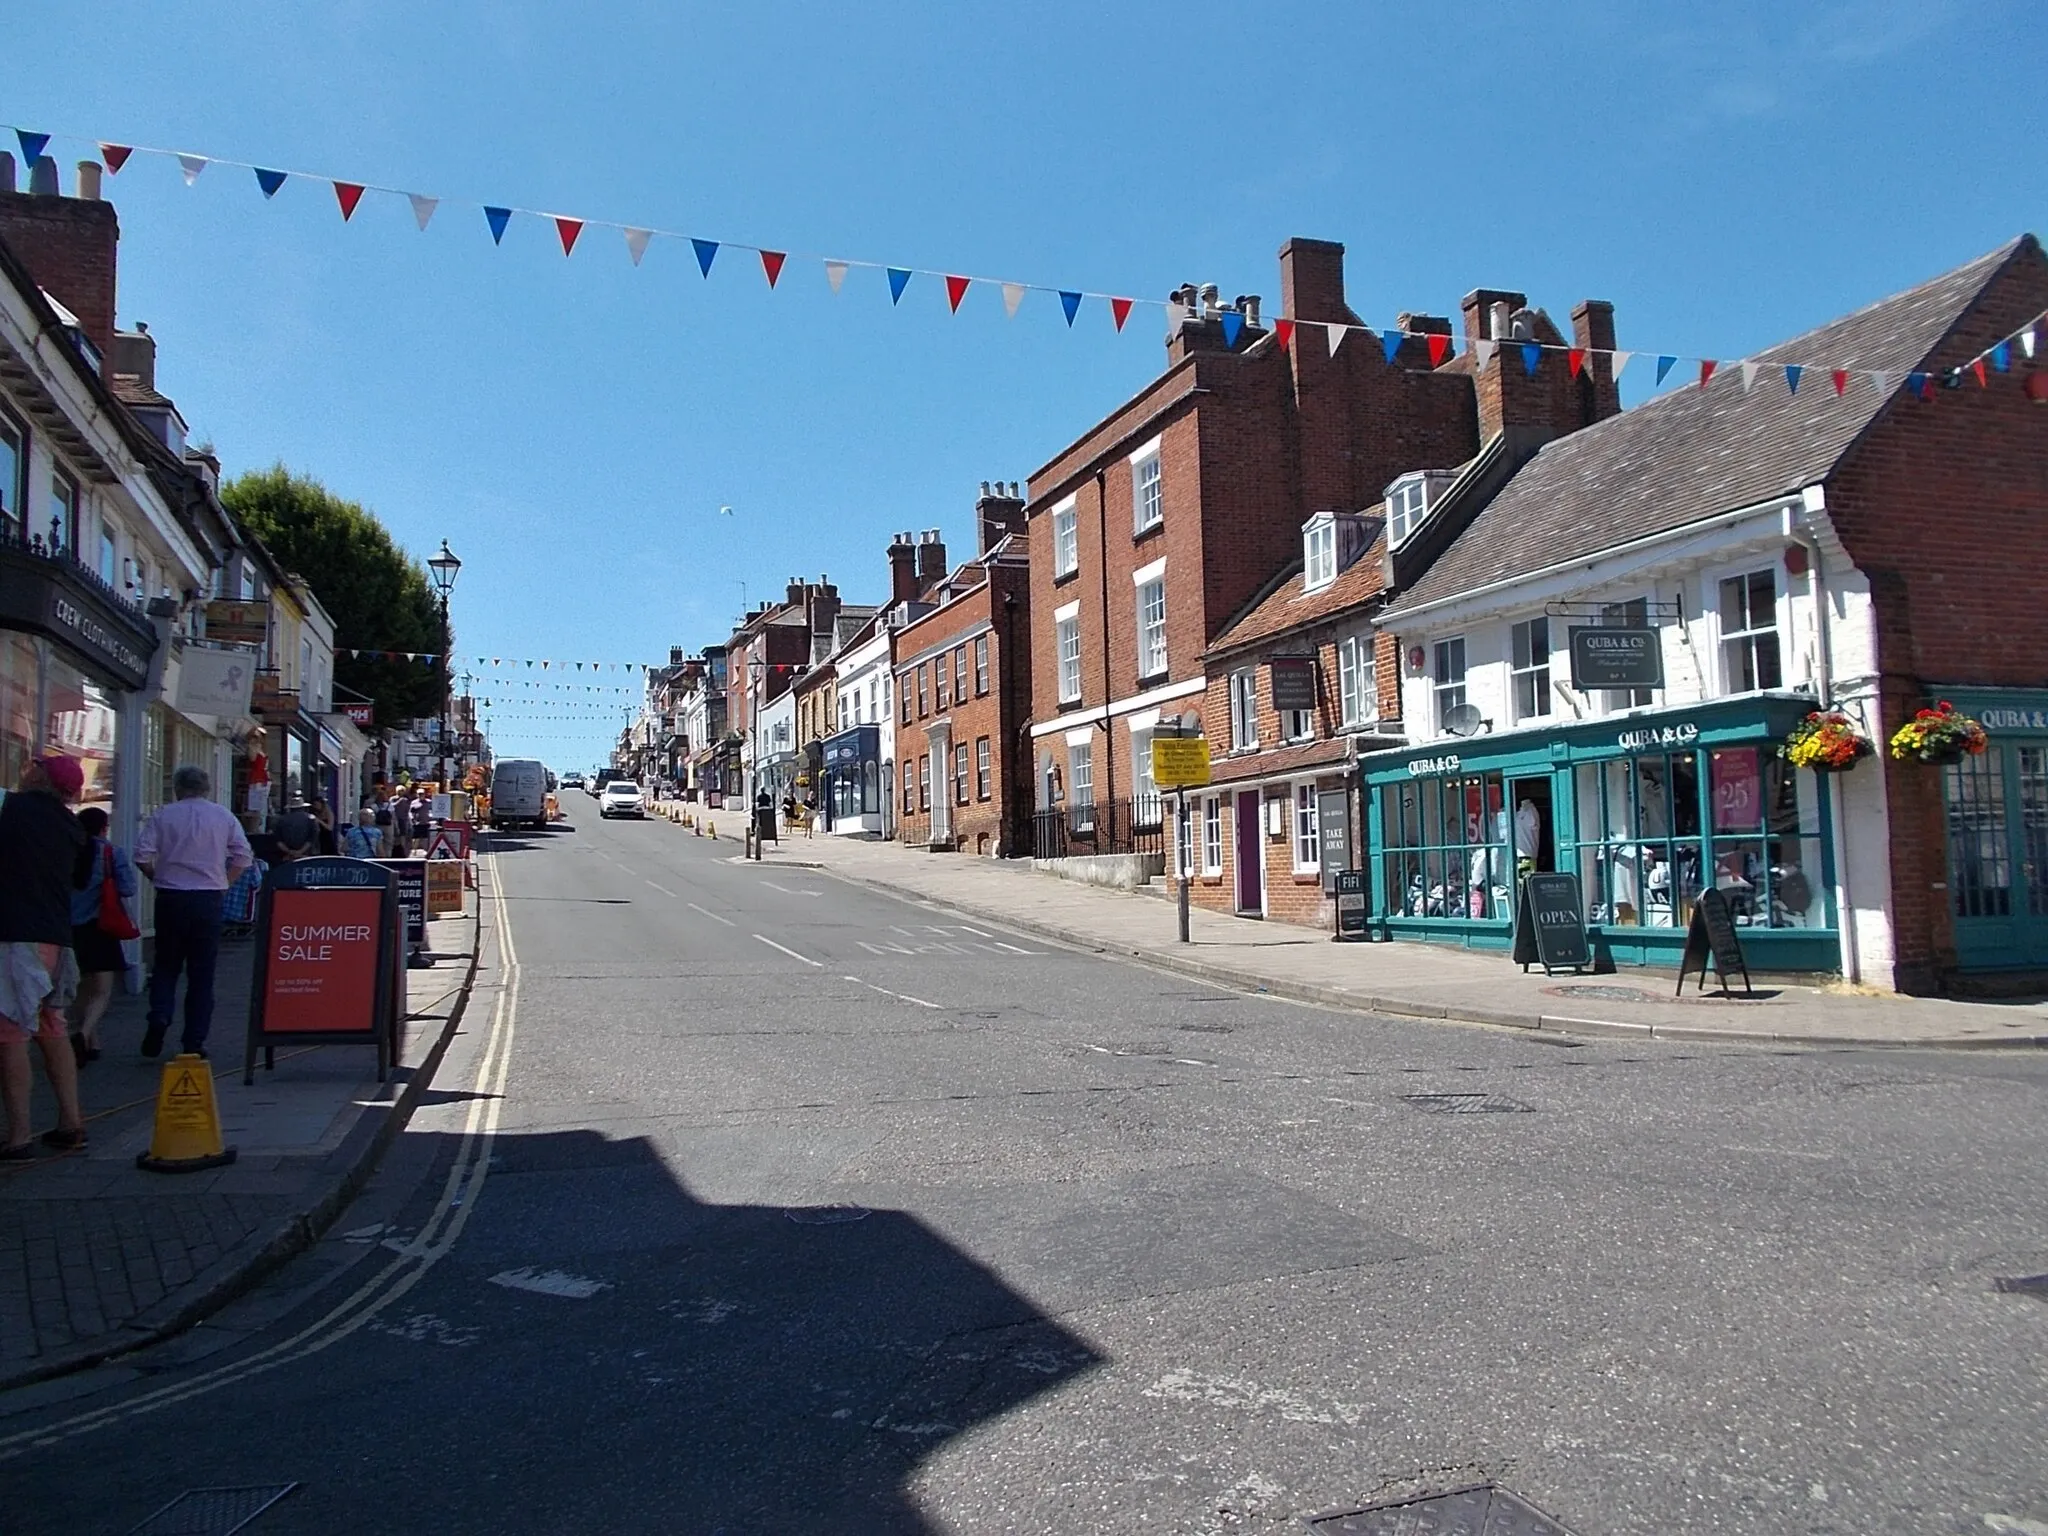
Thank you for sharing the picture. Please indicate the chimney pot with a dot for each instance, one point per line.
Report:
(42, 177)
(7, 183)
(89, 180)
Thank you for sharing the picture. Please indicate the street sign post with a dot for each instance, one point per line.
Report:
(1180, 763)
(328, 940)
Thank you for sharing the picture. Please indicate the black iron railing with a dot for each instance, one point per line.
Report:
(15, 537)
(1106, 826)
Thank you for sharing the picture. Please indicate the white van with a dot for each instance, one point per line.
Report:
(519, 793)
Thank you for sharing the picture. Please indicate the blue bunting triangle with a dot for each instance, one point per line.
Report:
(1390, 343)
(1233, 323)
(1071, 303)
(1665, 365)
(1916, 384)
(1792, 372)
(899, 279)
(1532, 354)
(32, 147)
(269, 181)
(498, 218)
(705, 249)
(2001, 357)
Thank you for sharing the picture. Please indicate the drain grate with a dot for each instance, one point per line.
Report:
(1612, 994)
(212, 1511)
(1466, 1104)
(1479, 1511)
(826, 1215)
(2035, 1286)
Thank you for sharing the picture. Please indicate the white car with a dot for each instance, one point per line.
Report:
(621, 797)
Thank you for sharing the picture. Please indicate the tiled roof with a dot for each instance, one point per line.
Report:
(130, 390)
(1288, 607)
(1278, 760)
(1696, 452)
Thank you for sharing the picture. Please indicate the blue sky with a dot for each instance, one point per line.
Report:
(1726, 175)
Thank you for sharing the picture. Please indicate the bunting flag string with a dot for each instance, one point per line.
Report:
(498, 217)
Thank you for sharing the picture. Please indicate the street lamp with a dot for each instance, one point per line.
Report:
(445, 567)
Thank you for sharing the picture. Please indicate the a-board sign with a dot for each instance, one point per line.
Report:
(1550, 923)
(1351, 914)
(409, 885)
(1180, 762)
(1333, 833)
(326, 947)
(1711, 936)
(444, 888)
(1616, 656)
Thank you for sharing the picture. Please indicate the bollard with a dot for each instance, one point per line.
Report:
(711, 830)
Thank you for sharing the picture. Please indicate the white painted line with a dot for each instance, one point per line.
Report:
(625, 871)
(905, 996)
(551, 1282)
(1013, 949)
(975, 931)
(787, 891)
(711, 914)
(661, 888)
(807, 960)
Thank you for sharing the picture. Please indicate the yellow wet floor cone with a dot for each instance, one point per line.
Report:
(187, 1134)
(711, 830)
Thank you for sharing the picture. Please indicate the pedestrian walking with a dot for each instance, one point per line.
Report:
(192, 850)
(361, 840)
(330, 840)
(387, 831)
(298, 834)
(99, 923)
(44, 857)
(422, 816)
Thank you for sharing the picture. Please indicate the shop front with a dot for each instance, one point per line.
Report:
(850, 800)
(1648, 809)
(1996, 807)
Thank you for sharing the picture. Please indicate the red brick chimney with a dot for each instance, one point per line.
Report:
(68, 244)
(998, 512)
(1550, 400)
(902, 569)
(1312, 281)
(931, 559)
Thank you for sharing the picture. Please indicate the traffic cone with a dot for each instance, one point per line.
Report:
(713, 832)
(186, 1137)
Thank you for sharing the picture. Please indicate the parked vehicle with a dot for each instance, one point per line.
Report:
(621, 797)
(519, 793)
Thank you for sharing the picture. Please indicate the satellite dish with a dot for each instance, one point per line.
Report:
(1463, 720)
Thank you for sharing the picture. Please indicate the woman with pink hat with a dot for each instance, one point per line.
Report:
(45, 855)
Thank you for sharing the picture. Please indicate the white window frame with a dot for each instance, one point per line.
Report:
(1524, 665)
(984, 778)
(1731, 639)
(1066, 539)
(1358, 683)
(1318, 552)
(980, 666)
(1151, 631)
(1066, 628)
(1407, 508)
(1244, 710)
(1297, 725)
(1148, 489)
(1307, 830)
(1440, 689)
(1212, 835)
(1147, 810)
(1081, 785)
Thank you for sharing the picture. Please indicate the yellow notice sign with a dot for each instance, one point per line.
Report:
(1180, 762)
(444, 888)
(187, 1133)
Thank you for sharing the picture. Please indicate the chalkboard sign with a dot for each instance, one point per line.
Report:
(1351, 914)
(1333, 826)
(1712, 936)
(1550, 924)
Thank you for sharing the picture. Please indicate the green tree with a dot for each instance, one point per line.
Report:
(379, 596)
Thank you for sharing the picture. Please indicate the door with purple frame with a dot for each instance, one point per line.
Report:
(1250, 856)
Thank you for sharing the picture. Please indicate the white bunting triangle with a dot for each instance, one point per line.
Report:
(636, 243)
(191, 165)
(1883, 388)
(1617, 362)
(835, 274)
(1483, 349)
(422, 208)
(2027, 341)
(1336, 333)
(1013, 295)
(1748, 376)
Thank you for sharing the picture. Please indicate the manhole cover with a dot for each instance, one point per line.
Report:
(2035, 1286)
(1466, 1104)
(212, 1511)
(1481, 1511)
(826, 1215)
(1612, 994)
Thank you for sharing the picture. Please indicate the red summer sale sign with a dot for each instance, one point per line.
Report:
(322, 967)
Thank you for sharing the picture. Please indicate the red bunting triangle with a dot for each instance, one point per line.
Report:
(956, 290)
(1707, 367)
(1440, 348)
(568, 229)
(1119, 311)
(348, 194)
(1978, 368)
(1575, 359)
(771, 265)
(116, 156)
(1283, 332)
(1841, 379)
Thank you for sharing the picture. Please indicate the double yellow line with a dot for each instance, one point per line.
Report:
(409, 1264)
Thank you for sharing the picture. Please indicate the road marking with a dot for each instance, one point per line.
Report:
(1013, 949)
(887, 993)
(661, 888)
(807, 960)
(787, 891)
(625, 871)
(975, 931)
(550, 1282)
(710, 914)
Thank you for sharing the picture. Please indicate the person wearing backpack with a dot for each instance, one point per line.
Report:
(100, 920)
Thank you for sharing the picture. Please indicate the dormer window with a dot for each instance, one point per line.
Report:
(1318, 552)
(1411, 499)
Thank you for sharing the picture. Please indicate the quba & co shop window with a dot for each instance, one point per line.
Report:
(1447, 847)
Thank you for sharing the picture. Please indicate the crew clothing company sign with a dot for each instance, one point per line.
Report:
(322, 973)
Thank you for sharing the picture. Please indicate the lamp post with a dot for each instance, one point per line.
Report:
(445, 567)
(757, 673)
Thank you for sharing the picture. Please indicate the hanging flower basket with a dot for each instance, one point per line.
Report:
(1939, 735)
(1826, 741)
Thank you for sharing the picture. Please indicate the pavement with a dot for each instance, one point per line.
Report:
(99, 1258)
(1417, 980)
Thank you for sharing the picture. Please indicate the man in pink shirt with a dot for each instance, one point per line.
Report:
(191, 850)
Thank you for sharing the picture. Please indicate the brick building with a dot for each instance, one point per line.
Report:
(1871, 542)
(1154, 531)
(963, 698)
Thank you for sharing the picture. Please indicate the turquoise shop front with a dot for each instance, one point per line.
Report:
(1646, 808)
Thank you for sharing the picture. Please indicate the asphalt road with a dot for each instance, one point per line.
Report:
(755, 1201)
